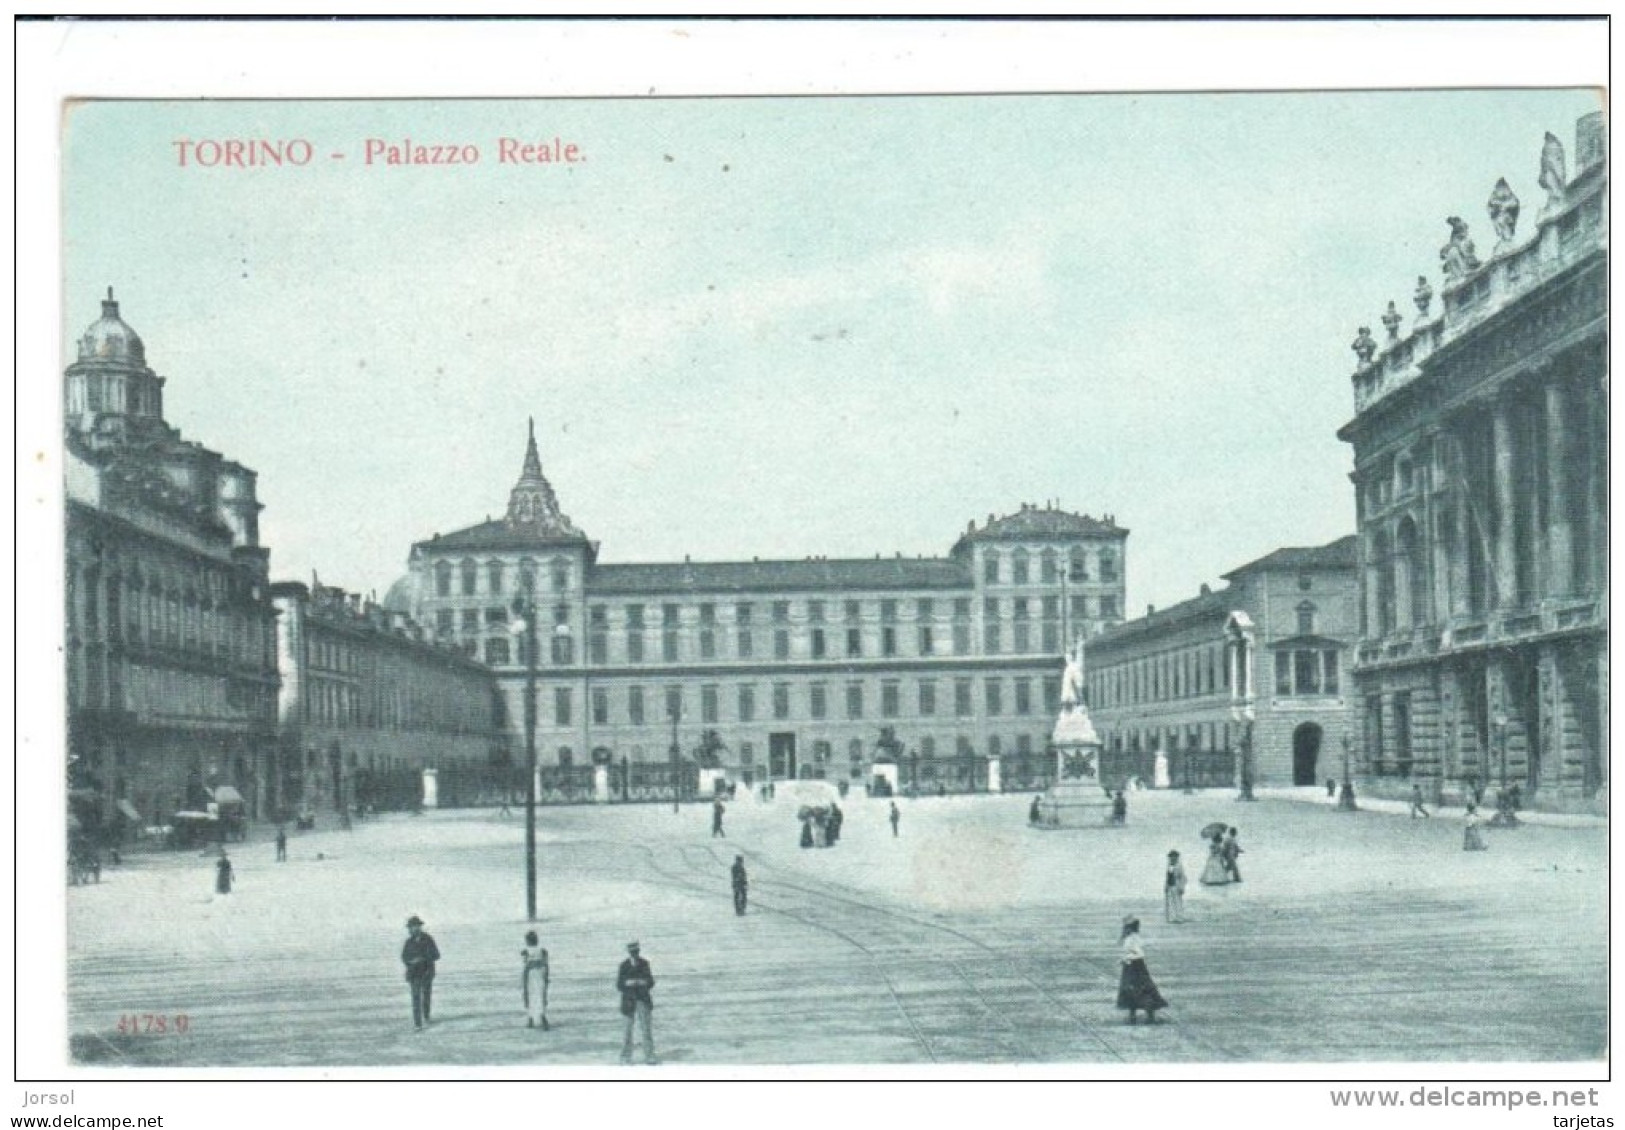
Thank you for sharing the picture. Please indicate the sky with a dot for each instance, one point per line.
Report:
(782, 327)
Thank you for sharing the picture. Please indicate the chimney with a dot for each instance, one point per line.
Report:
(1206, 591)
(1150, 610)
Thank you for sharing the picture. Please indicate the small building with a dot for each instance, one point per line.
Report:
(1262, 662)
(368, 702)
(1480, 440)
(171, 677)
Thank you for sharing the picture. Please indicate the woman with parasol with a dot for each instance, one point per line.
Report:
(1216, 873)
(1135, 989)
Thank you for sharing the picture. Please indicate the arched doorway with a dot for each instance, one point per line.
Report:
(1305, 754)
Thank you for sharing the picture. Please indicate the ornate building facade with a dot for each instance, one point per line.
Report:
(1481, 452)
(794, 666)
(367, 702)
(171, 675)
(1247, 683)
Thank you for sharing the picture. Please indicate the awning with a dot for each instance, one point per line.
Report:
(128, 809)
(225, 794)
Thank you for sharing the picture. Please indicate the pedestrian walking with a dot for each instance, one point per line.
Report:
(1135, 989)
(1471, 838)
(1416, 802)
(1217, 872)
(222, 875)
(1035, 814)
(807, 831)
(419, 955)
(1173, 888)
(533, 980)
(1119, 808)
(741, 883)
(1331, 789)
(281, 845)
(1232, 856)
(894, 817)
(836, 819)
(634, 982)
(716, 819)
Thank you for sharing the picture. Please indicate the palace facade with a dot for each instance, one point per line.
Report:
(1249, 683)
(1481, 455)
(776, 669)
(171, 673)
(368, 702)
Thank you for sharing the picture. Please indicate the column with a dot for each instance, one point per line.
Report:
(1505, 563)
(1459, 602)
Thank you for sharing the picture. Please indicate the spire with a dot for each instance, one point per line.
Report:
(532, 504)
(533, 460)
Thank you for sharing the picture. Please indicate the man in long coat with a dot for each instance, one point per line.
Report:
(419, 955)
(634, 982)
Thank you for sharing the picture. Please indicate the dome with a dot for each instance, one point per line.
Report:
(109, 339)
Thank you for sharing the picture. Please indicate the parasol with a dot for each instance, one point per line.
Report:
(1217, 828)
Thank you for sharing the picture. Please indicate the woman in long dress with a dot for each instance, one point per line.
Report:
(1135, 989)
(1216, 873)
(1471, 838)
(533, 981)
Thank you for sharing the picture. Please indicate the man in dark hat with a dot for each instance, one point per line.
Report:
(419, 955)
(634, 982)
(741, 884)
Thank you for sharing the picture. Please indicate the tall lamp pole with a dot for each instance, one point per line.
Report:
(525, 609)
(676, 762)
(1345, 797)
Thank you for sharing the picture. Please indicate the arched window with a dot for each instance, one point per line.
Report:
(493, 576)
(1047, 568)
(1018, 567)
(470, 577)
(442, 578)
(1306, 618)
(560, 569)
(1108, 565)
(990, 566)
(1078, 568)
(1410, 575)
(527, 575)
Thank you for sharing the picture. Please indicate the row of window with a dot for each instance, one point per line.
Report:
(165, 619)
(637, 617)
(1049, 566)
(465, 576)
(1000, 696)
(859, 752)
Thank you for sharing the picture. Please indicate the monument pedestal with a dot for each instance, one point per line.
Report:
(1075, 804)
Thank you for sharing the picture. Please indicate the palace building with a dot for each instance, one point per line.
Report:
(1249, 683)
(774, 669)
(1481, 459)
(171, 672)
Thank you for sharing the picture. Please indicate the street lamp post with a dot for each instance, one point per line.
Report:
(1247, 755)
(525, 609)
(1345, 796)
(676, 763)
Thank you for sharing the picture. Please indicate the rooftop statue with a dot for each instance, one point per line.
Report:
(1390, 320)
(1503, 207)
(1458, 256)
(1553, 175)
(1365, 346)
(1423, 296)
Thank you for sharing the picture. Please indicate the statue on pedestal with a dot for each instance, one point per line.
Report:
(1503, 207)
(1390, 321)
(1423, 296)
(1553, 175)
(1364, 346)
(1459, 257)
